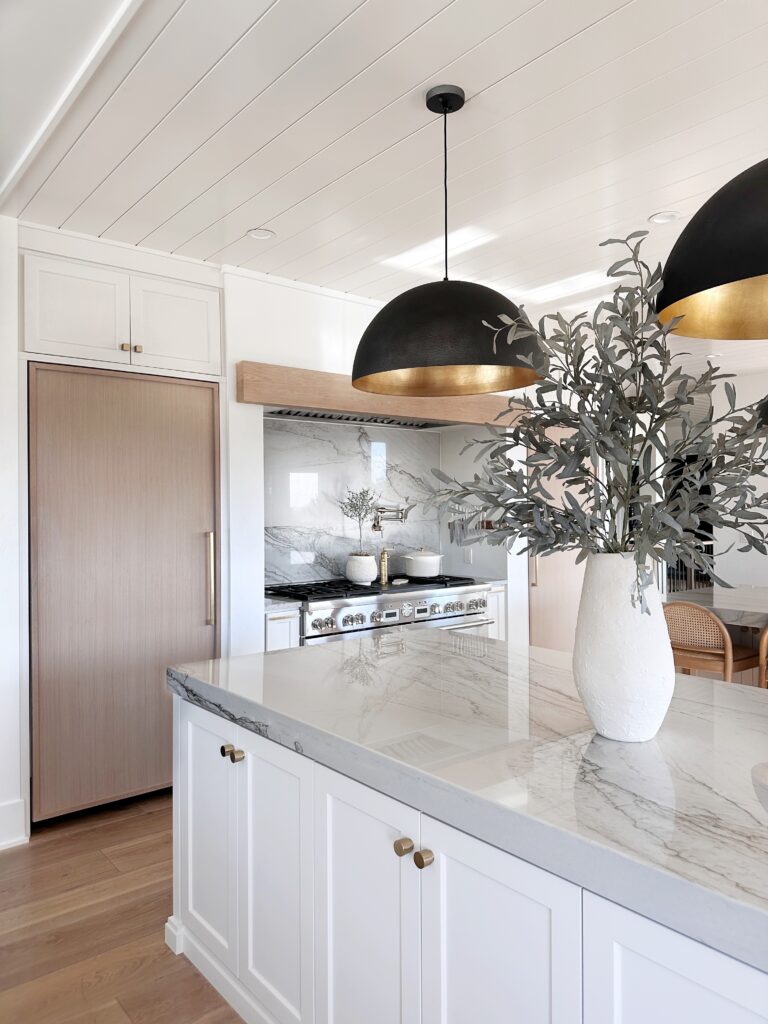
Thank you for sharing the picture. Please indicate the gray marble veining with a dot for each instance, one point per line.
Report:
(308, 467)
(494, 740)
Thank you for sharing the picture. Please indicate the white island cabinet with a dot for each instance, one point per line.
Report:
(442, 839)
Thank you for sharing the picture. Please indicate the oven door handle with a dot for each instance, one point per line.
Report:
(469, 625)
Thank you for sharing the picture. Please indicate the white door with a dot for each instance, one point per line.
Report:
(282, 631)
(638, 972)
(208, 791)
(500, 937)
(175, 326)
(367, 926)
(276, 865)
(76, 309)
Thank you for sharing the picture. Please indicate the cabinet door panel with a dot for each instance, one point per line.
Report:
(637, 971)
(367, 906)
(176, 326)
(209, 831)
(275, 872)
(75, 309)
(501, 938)
(282, 632)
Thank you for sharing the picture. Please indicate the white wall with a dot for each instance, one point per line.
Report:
(13, 734)
(488, 561)
(289, 324)
(737, 568)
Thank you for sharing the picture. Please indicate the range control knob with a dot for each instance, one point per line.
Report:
(359, 619)
(459, 606)
(482, 603)
(450, 606)
(317, 623)
(472, 606)
(329, 623)
(435, 609)
(348, 620)
(375, 616)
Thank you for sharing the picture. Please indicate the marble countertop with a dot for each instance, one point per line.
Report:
(274, 604)
(737, 606)
(493, 740)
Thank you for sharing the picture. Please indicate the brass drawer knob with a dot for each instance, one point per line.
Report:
(423, 858)
(125, 347)
(138, 348)
(403, 846)
(226, 749)
(236, 755)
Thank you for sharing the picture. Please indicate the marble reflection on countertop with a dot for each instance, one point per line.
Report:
(504, 727)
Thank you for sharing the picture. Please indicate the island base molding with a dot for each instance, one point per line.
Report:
(306, 897)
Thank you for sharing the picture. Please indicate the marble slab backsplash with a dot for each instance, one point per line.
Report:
(308, 467)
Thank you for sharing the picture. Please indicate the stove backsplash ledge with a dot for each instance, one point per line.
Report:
(308, 467)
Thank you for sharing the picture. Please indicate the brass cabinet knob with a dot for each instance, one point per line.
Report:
(226, 749)
(423, 858)
(138, 348)
(403, 846)
(236, 755)
(125, 347)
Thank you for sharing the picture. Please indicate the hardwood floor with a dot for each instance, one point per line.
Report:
(82, 913)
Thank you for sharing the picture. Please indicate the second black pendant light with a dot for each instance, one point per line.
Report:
(430, 340)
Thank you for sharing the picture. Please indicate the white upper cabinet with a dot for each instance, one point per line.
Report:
(86, 311)
(175, 326)
(500, 937)
(638, 972)
(76, 309)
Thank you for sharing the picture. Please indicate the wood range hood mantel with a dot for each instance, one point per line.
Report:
(293, 388)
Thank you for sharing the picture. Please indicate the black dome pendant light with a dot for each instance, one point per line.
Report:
(430, 340)
(716, 276)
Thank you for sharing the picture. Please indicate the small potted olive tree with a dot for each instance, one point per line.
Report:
(360, 506)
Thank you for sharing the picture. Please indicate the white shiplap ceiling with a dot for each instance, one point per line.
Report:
(205, 119)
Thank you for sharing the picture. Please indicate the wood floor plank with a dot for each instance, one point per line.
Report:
(110, 1013)
(140, 853)
(45, 880)
(94, 837)
(82, 901)
(177, 998)
(82, 932)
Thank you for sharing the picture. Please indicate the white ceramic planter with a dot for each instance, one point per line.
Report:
(622, 660)
(361, 569)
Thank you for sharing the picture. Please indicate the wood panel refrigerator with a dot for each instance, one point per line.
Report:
(124, 524)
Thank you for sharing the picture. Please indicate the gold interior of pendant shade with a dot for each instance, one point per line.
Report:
(435, 381)
(729, 311)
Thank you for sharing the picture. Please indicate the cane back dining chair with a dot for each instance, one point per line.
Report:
(701, 642)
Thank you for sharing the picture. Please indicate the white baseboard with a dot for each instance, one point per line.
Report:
(13, 824)
(226, 984)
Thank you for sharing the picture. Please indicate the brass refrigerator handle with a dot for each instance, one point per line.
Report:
(535, 577)
(211, 538)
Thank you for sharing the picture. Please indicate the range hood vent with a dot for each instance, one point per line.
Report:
(351, 417)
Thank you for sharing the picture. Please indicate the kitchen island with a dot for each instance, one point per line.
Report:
(424, 827)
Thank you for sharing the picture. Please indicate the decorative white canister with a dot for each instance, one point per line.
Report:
(361, 569)
(622, 660)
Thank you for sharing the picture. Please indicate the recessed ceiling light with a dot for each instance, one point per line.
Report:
(664, 217)
(261, 233)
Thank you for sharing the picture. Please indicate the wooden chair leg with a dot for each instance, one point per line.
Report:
(763, 655)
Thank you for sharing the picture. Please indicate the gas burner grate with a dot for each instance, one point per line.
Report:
(320, 590)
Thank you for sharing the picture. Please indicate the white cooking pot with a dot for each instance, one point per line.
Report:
(422, 563)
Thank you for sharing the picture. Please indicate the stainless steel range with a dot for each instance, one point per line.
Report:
(332, 609)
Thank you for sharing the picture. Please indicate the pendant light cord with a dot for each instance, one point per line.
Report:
(445, 183)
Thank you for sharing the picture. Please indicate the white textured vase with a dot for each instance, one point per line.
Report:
(622, 660)
(361, 569)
